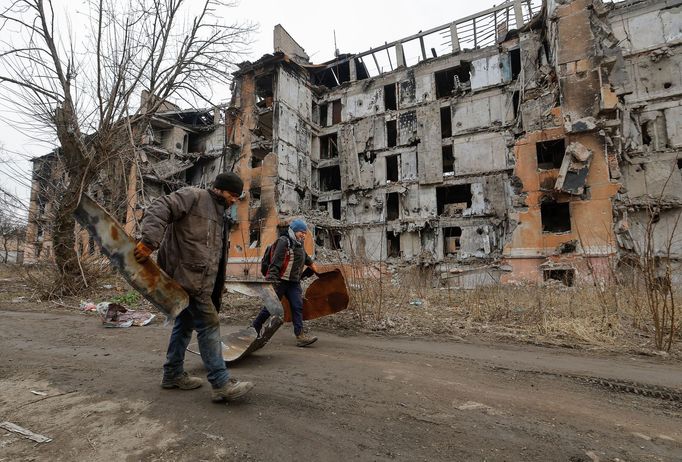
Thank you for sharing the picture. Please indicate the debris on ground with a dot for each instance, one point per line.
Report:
(87, 306)
(116, 315)
(14, 428)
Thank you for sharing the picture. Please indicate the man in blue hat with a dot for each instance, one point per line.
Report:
(287, 262)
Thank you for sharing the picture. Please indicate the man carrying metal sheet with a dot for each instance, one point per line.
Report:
(189, 227)
(288, 259)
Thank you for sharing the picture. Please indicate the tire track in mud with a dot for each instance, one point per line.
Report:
(615, 385)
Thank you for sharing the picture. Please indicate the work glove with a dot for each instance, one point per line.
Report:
(142, 252)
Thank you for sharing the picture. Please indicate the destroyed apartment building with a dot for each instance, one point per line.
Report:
(178, 148)
(529, 142)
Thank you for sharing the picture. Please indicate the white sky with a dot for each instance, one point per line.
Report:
(359, 25)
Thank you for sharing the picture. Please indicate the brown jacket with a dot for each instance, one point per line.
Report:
(187, 228)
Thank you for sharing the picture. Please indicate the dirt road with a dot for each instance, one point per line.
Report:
(345, 398)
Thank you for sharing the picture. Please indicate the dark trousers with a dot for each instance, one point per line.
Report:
(293, 292)
(202, 317)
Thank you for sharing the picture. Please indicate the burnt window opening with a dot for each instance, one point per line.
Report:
(452, 200)
(451, 80)
(254, 196)
(390, 99)
(257, 156)
(336, 111)
(264, 92)
(556, 217)
(328, 147)
(448, 160)
(516, 99)
(392, 245)
(323, 115)
(515, 58)
(392, 170)
(391, 133)
(334, 75)
(550, 154)
(679, 164)
(330, 178)
(646, 136)
(254, 235)
(451, 240)
(336, 209)
(565, 276)
(328, 238)
(445, 122)
(392, 206)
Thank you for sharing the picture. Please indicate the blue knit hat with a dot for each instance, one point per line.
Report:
(298, 225)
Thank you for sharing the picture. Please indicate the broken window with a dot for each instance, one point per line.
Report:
(392, 206)
(336, 111)
(515, 57)
(257, 156)
(254, 235)
(556, 217)
(451, 240)
(550, 154)
(392, 245)
(264, 92)
(336, 209)
(328, 238)
(392, 163)
(679, 164)
(646, 136)
(391, 133)
(452, 200)
(565, 276)
(254, 196)
(450, 80)
(330, 178)
(390, 99)
(323, 115)
(448, 160)
(445, 122)
(328, 147)
(516, 97)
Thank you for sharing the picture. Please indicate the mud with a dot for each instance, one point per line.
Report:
(345, 398)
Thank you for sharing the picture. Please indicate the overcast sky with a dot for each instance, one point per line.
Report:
(358, 25)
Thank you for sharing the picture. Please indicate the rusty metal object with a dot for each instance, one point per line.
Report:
(244, 342)
(148, 279)
(327, 295)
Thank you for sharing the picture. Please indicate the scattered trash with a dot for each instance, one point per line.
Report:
(39, 393)
(416, 302)
(115, 315)
(88, 306)
(107, 286)
(10, 427)
(18, 299)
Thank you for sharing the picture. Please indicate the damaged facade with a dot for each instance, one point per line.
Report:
(529, 142)
(523, 150)
(178, 148)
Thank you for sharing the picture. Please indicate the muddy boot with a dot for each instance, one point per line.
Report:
(303, 340)
(183, 382)
(231, 390)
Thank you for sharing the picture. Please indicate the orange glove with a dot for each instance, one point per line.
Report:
(142, 252)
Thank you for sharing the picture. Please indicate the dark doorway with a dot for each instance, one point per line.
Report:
(392, 206)
(330, 178)
(391, 133)
(390, 100)
(445, 122)
(392, 171)
(392, 245)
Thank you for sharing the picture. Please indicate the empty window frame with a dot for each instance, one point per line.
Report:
(450, 80)
(515, 58)
(336, 209)
(565, 276)
(448, 160)
(257, 156)
(451, 240)
(392, 245)
(254, 234)
(391, 133)
(390, 97)
(392, 206)
(445, 122)
(550, 154)
(254, 196)
(329, 147)
(392, 168)
(323, 115)
(556, 217)
(452, 200)
(330, 178)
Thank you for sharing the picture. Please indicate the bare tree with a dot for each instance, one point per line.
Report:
(12, 226)
(84, 83)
